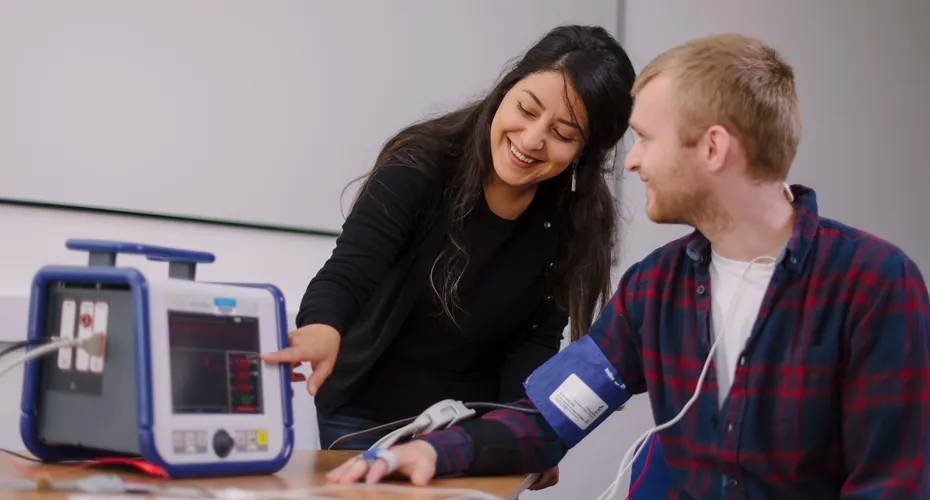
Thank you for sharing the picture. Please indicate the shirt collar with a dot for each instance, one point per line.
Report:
(806, 221)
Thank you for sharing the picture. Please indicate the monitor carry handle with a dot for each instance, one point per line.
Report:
(182, 264)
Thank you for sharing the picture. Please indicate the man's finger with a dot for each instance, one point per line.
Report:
(355, 471)
(377, 471)
(546, 479)
(541, 483)
(336, 473)
(537, 483)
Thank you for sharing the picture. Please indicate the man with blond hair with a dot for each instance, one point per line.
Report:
(816, 332)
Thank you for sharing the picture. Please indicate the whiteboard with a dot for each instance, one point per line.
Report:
(255, 111)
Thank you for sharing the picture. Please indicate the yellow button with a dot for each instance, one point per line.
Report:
(261, 437)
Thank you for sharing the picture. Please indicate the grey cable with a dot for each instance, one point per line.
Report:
(500, 406)
(382, 427)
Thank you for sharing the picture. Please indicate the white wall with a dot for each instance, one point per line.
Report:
(170, 95)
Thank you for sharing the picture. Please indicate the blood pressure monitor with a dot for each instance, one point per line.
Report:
(180, 382)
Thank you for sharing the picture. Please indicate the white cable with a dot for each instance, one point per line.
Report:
(392, 437)
(93, 345)
(640, 444)
(440, 415)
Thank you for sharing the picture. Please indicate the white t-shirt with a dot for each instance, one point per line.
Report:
(734, 325)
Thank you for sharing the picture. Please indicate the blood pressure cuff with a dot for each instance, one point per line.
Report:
(575, 390)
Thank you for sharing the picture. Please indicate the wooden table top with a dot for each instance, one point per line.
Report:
(305, 471)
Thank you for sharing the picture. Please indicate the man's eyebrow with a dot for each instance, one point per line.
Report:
(540, 104)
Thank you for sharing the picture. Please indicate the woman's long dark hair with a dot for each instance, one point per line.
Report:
(456, 148)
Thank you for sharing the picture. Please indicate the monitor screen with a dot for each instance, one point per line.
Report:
(215, 363)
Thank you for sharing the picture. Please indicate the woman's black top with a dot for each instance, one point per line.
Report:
(399, 352)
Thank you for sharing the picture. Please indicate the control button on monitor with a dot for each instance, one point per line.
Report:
(252, 439)
(202, 445)
(190, 442)
(240, 440)
(178, 441)
(223, 443)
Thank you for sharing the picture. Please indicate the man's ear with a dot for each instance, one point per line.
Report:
(716, 147)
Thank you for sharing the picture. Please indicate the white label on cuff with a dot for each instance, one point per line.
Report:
(578, 402)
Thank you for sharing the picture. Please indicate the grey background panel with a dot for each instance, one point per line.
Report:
(106, 419)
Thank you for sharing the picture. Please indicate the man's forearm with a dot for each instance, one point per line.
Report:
(501, 442)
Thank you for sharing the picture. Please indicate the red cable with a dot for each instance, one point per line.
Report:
(652, 443)
(142, 466)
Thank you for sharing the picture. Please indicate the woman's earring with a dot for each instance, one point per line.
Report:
(574, 170)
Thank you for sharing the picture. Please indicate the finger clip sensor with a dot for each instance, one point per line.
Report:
(375, 453)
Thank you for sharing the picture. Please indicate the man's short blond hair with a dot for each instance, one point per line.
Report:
(742, 84)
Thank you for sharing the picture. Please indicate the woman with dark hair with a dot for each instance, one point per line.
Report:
(477, 237)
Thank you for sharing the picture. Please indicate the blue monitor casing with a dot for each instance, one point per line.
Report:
(180, 383)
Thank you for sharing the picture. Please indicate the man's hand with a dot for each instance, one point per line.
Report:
(416, 460)
(546, 479)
